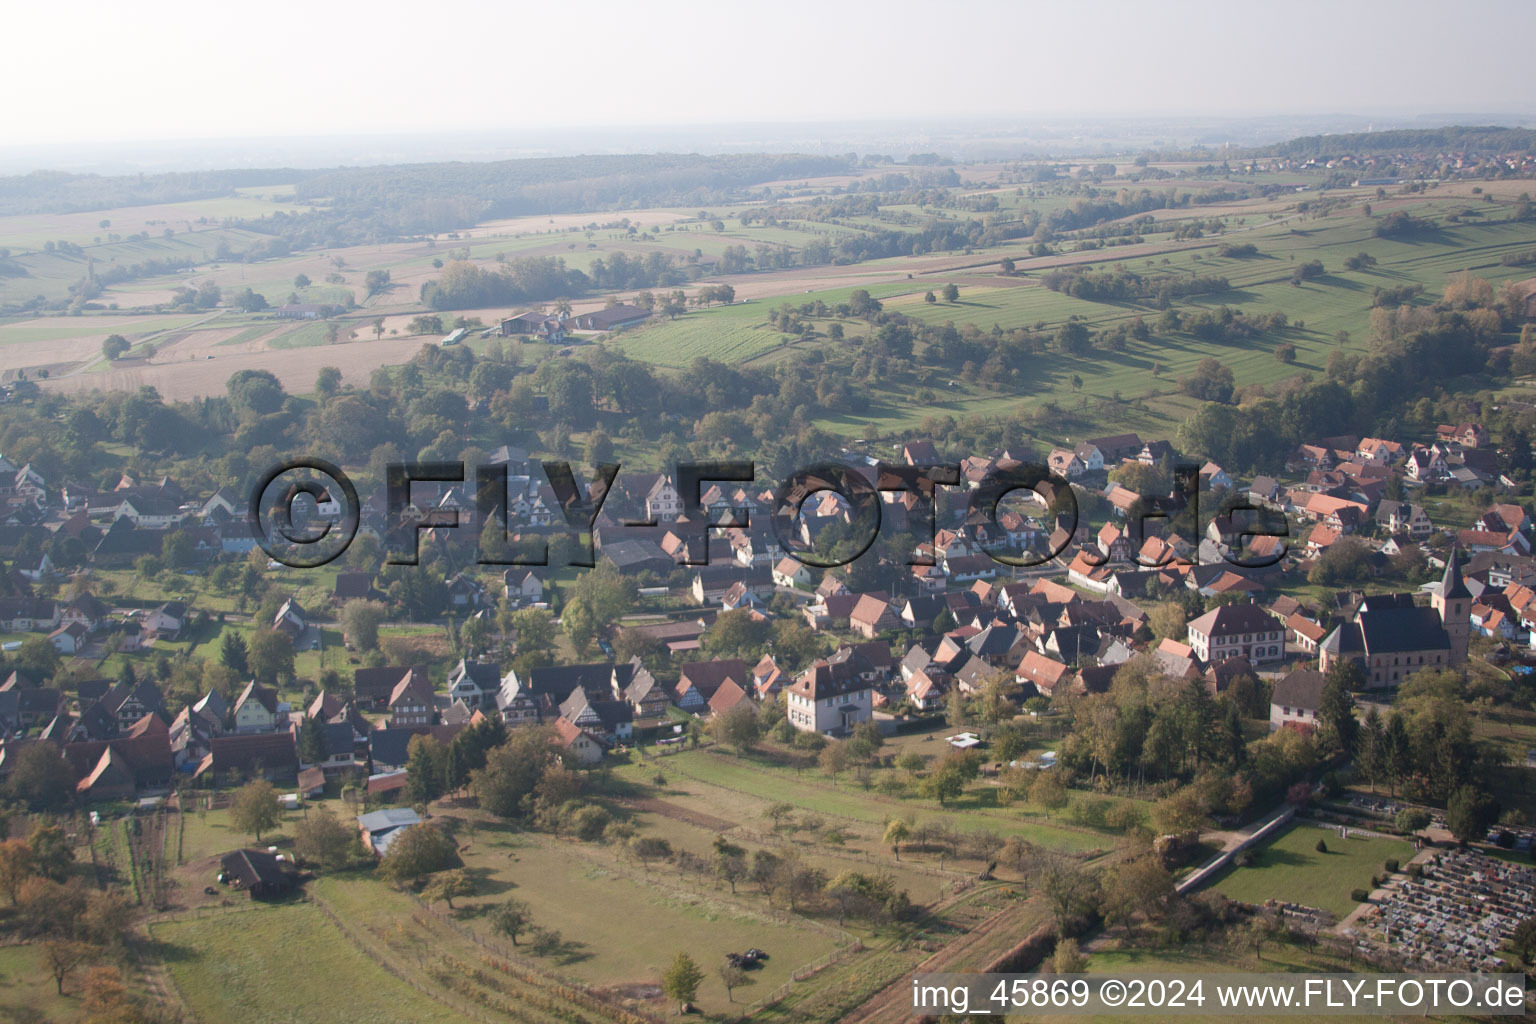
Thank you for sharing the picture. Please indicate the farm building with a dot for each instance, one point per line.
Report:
(261, 874)
(611, 319)
(540, 325)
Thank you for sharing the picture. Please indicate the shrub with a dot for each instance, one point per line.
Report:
(1360, 895)
(589, 823)
(1391, 865)
(1321, 847)
(545, 942)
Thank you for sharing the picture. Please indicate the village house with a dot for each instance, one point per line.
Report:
(872, 615)
(1378, 451)
(372, 687)
(1065, 463)
(256, 709)
(1426, 465)
(291, 619)
(270, 755)
(522, 585)
(1295, 700)
(1468, 435)
(1237, 631)
(576, 743)
(1114, 448)
(411, 703)
(790, 572)
(69, 639)
(1395, 517)
(473, 682)
(607, 720)
(699, 680)
(828, 701)
(1040, 675)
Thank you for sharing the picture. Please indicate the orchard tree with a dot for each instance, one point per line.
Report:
(321, 838)
(732, 977)
(511, 919)
(681, 981)
(1048, 791)
(62, 956)
(420, 850)
(360, 621)
(737, 728)
(255, 808)
(448, 885)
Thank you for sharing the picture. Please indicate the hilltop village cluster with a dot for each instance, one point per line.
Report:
(957, 624)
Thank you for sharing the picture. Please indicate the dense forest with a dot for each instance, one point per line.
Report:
(1476, 141)
(58, 192)
(422, 198)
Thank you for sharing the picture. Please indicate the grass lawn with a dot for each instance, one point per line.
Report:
(1220, 959)
(27, 987)
(1290, 868)
(622, 925)
(284, 963)
(211, 834)
(740, 789)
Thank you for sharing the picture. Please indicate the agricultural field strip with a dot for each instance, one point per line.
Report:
(873, 808)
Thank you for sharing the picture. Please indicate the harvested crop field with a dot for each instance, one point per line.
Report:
(185, 379)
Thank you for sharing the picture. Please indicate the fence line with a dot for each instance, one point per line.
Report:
(772, 915)
(600, 1004)
(858, 856)
(1210, 868)
(852, 943)
(1351, 830)
(803, 973)
(1060, 825)
(394, 971)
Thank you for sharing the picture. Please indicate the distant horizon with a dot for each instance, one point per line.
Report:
(305, 71)
(977, 139)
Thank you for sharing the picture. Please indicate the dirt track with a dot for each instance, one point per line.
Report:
(683, 814)
(977, 950)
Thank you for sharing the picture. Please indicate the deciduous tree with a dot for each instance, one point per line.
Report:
(511, 918)
(255, 808)
(322, 839)
(681, 981)
(420, 850)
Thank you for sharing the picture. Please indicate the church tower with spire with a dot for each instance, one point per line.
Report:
(1454, 605)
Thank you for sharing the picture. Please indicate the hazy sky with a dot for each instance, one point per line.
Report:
(176, 69)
